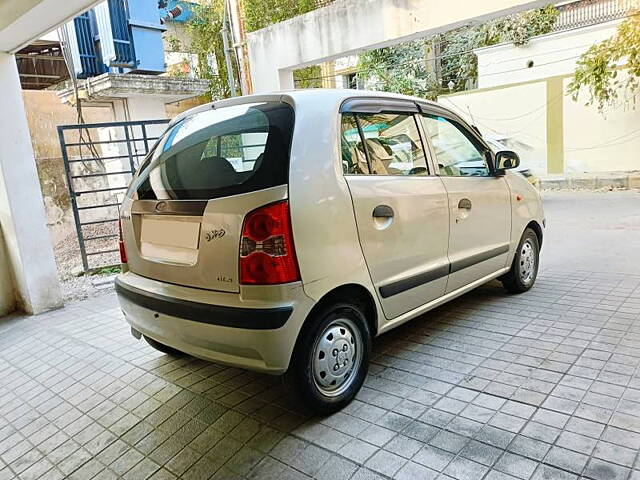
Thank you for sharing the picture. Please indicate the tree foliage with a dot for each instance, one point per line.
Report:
(205, 26)
(405, 68)
(308, 77)
(262, 13)
(401, 68)
(599, 68)
(204, 29)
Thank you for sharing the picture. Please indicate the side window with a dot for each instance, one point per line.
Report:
(456, 153)
(354, 161)
(392, 144)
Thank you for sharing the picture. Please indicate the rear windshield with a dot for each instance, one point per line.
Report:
(219, 152)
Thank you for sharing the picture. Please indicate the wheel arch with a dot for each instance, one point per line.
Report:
(350, 292)
(535, 226)
(299, 376)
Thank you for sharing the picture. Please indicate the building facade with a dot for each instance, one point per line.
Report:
(522, 99)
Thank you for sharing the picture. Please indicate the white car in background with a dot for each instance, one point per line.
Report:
(498, 146)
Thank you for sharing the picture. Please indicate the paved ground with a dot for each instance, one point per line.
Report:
(593, 231)
(543, 385)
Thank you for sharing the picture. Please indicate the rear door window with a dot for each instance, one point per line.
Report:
(389, 142)
(219, 152)
(354, 160)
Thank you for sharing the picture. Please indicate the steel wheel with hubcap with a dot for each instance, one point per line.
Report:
(524, 269)
(331, 357)
(528, 262)
(337, 354)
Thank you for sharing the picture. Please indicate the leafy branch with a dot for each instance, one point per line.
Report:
(204, 29)
(206, 43)
(406, 68)
(262, 13)
(610, 68)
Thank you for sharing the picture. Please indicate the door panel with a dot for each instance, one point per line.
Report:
(406, 253)
(478, 202)
(480, 233)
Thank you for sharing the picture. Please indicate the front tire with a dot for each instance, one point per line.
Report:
(524, 269)
(331, 358)
(161, 347)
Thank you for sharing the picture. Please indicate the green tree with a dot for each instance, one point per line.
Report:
(599, 69)
(308, 77)
(262, 13)
(205, 26)
(403, 68)
(204, 29)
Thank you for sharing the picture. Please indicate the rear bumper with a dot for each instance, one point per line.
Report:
(234, 317)
(257, 332)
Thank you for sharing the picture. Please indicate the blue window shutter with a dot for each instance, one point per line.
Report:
(125, 56)
(86, 46)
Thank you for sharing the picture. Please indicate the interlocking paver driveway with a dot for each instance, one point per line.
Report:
(540, 385)
(543, 385)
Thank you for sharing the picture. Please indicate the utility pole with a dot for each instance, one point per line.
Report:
(227, 51)
(240, 45)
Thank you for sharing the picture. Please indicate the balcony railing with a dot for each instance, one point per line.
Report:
(591, 12)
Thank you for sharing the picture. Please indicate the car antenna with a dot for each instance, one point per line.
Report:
(473, 120)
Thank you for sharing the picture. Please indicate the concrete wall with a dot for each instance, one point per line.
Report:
(526, 118)
(45, 112)
(175, 108)
(351, 26)
(595, 141)
(22, 214)
(515, 116)
(551, 55)
(7, 289)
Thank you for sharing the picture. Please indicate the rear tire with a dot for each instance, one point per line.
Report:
(331, 357)
(524, 269)
(161, 347)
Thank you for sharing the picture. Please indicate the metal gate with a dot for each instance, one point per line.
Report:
(99, 160)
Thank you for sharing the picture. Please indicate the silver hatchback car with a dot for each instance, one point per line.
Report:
(282, 232)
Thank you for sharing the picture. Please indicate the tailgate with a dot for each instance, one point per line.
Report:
(190, 242)
(183, 214)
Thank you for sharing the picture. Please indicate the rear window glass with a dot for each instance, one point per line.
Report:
(219, 152)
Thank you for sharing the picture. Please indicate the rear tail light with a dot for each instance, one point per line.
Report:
(267, 255)
(123, 252)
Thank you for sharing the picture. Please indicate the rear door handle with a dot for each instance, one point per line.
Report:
(464, 209)
(464, 204)
(383, 211)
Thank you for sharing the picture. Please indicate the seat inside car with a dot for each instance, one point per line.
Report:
(216, 170)
(379, 158)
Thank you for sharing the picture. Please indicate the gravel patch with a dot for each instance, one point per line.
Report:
(75, 284)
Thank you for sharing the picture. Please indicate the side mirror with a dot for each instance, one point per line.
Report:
(417, 171)
(506, 159)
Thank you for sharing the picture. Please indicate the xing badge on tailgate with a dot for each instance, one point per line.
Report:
(216, 233)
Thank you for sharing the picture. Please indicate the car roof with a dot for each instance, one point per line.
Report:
(325, 96)
(338, 95)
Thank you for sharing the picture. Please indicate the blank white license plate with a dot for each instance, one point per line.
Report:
(170, 239)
